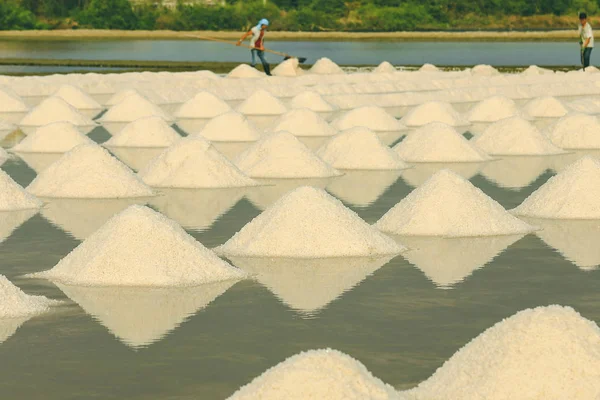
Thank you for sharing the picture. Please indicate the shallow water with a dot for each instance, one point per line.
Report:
(402, 320)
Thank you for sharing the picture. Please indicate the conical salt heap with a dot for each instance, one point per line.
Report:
(493, 109)
(203, 105)
(303, 122)
(55, 109)
(262, 102)
(359, 148)
(438, 142)
(484, 70)
(324, 66)
(131, 108)
(313, 101)
(16, 304)
(433, 111)
(140, 247)
(545, 107)
(535, 70)
(429, 68)
(245, 71)
(230, 127)
(193, 163)
(11, 103)
(372, 117)
(449, 205)
(77, 98)
(57, 137)
(516, 137)
(385, 68)
(289, 67)
(572, 194)
(13, 197)
(576, 131)
(308, 223)
(542, 353)
(282, 155)
(145, 132)
(317, 374)
(88, 171)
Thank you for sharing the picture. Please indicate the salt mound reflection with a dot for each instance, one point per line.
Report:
(11, 220)
(423, 171)
(362, 188)
(516, 172)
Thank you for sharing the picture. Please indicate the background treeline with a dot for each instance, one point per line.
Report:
(295, 15)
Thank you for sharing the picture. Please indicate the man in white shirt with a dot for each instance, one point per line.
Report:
(586, 40)
(257, 42)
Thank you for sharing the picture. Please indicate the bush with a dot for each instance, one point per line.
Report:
(108, 14)
(12, 16)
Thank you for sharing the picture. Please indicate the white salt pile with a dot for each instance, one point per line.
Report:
(317, 374)
(545, 107)
(11, 103)
(493, 109)
(385, 68)
(131, 108)
(438, 142)
(14, 303)
(572, 194)
(230, 127)
(324, 66)
(140, 247)
(313, 101)
(57, 137)
(78, 99)
(576, 131)
(484, 70)
(541, 353)
(515, 136)
(308, 223)
(203, 105)
(55, 109)
(88, 171)
(193, 163)
(145, 132)
(289, 67)
(535, 70)
(449, 205)
(245, 71)
(13, 197)
(282, 155)
(303, 122)
(433, 111)
(429, 68)
(262, 102)
(359, 148)
(372, 117)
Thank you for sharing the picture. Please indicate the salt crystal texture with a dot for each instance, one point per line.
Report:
(313, 101)
(193, 163)
(372, 117)
(576, 131)
(438, 142)
(308, 223)
(230, 127)
(324, 66)
(572, 194)
(515, 136)
(385, 68)
(303, 122)
(359, 148)
(449, 205)
(77, 98)
(202, 105)
(140, 247)
(13, 197)
(433, 111)
(262, 102)
(15, 304)
(145, 132)
(131, 108)
(55, 109)
(493, 109)
(11, 103)
(57, 137)
(281, 155)
(245, 71)
(317, 374)
(88, 171)
(544, 353)
(545, 107)
(289, 67)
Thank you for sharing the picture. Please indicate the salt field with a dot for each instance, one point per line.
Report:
(323, 233)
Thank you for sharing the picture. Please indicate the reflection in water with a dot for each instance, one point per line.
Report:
(140, 316)
(39, 161)
(561, 162)
(309, 285)
(448, 261)
(197, 209)
(516, 172)
(231, 149)
(8, 327)
(575, 240)
(423, 171)
(11, 220)
(12, 139)
(82, 217)
(313, 143)
(135, 158)
(362, 188)
(274, 189)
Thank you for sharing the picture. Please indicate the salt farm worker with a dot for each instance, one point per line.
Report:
(257, 42)
(586, 40)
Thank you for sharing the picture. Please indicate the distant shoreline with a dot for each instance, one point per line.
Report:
(91, 34)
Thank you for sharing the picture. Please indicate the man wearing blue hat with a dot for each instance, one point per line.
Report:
(257, 42)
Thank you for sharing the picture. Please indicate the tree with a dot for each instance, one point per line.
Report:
(108, 14)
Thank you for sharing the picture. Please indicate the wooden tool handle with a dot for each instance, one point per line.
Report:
(235, 44)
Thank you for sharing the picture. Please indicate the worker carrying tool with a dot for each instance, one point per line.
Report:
(257, 43)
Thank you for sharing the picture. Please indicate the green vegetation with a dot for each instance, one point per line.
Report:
(296, 15)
